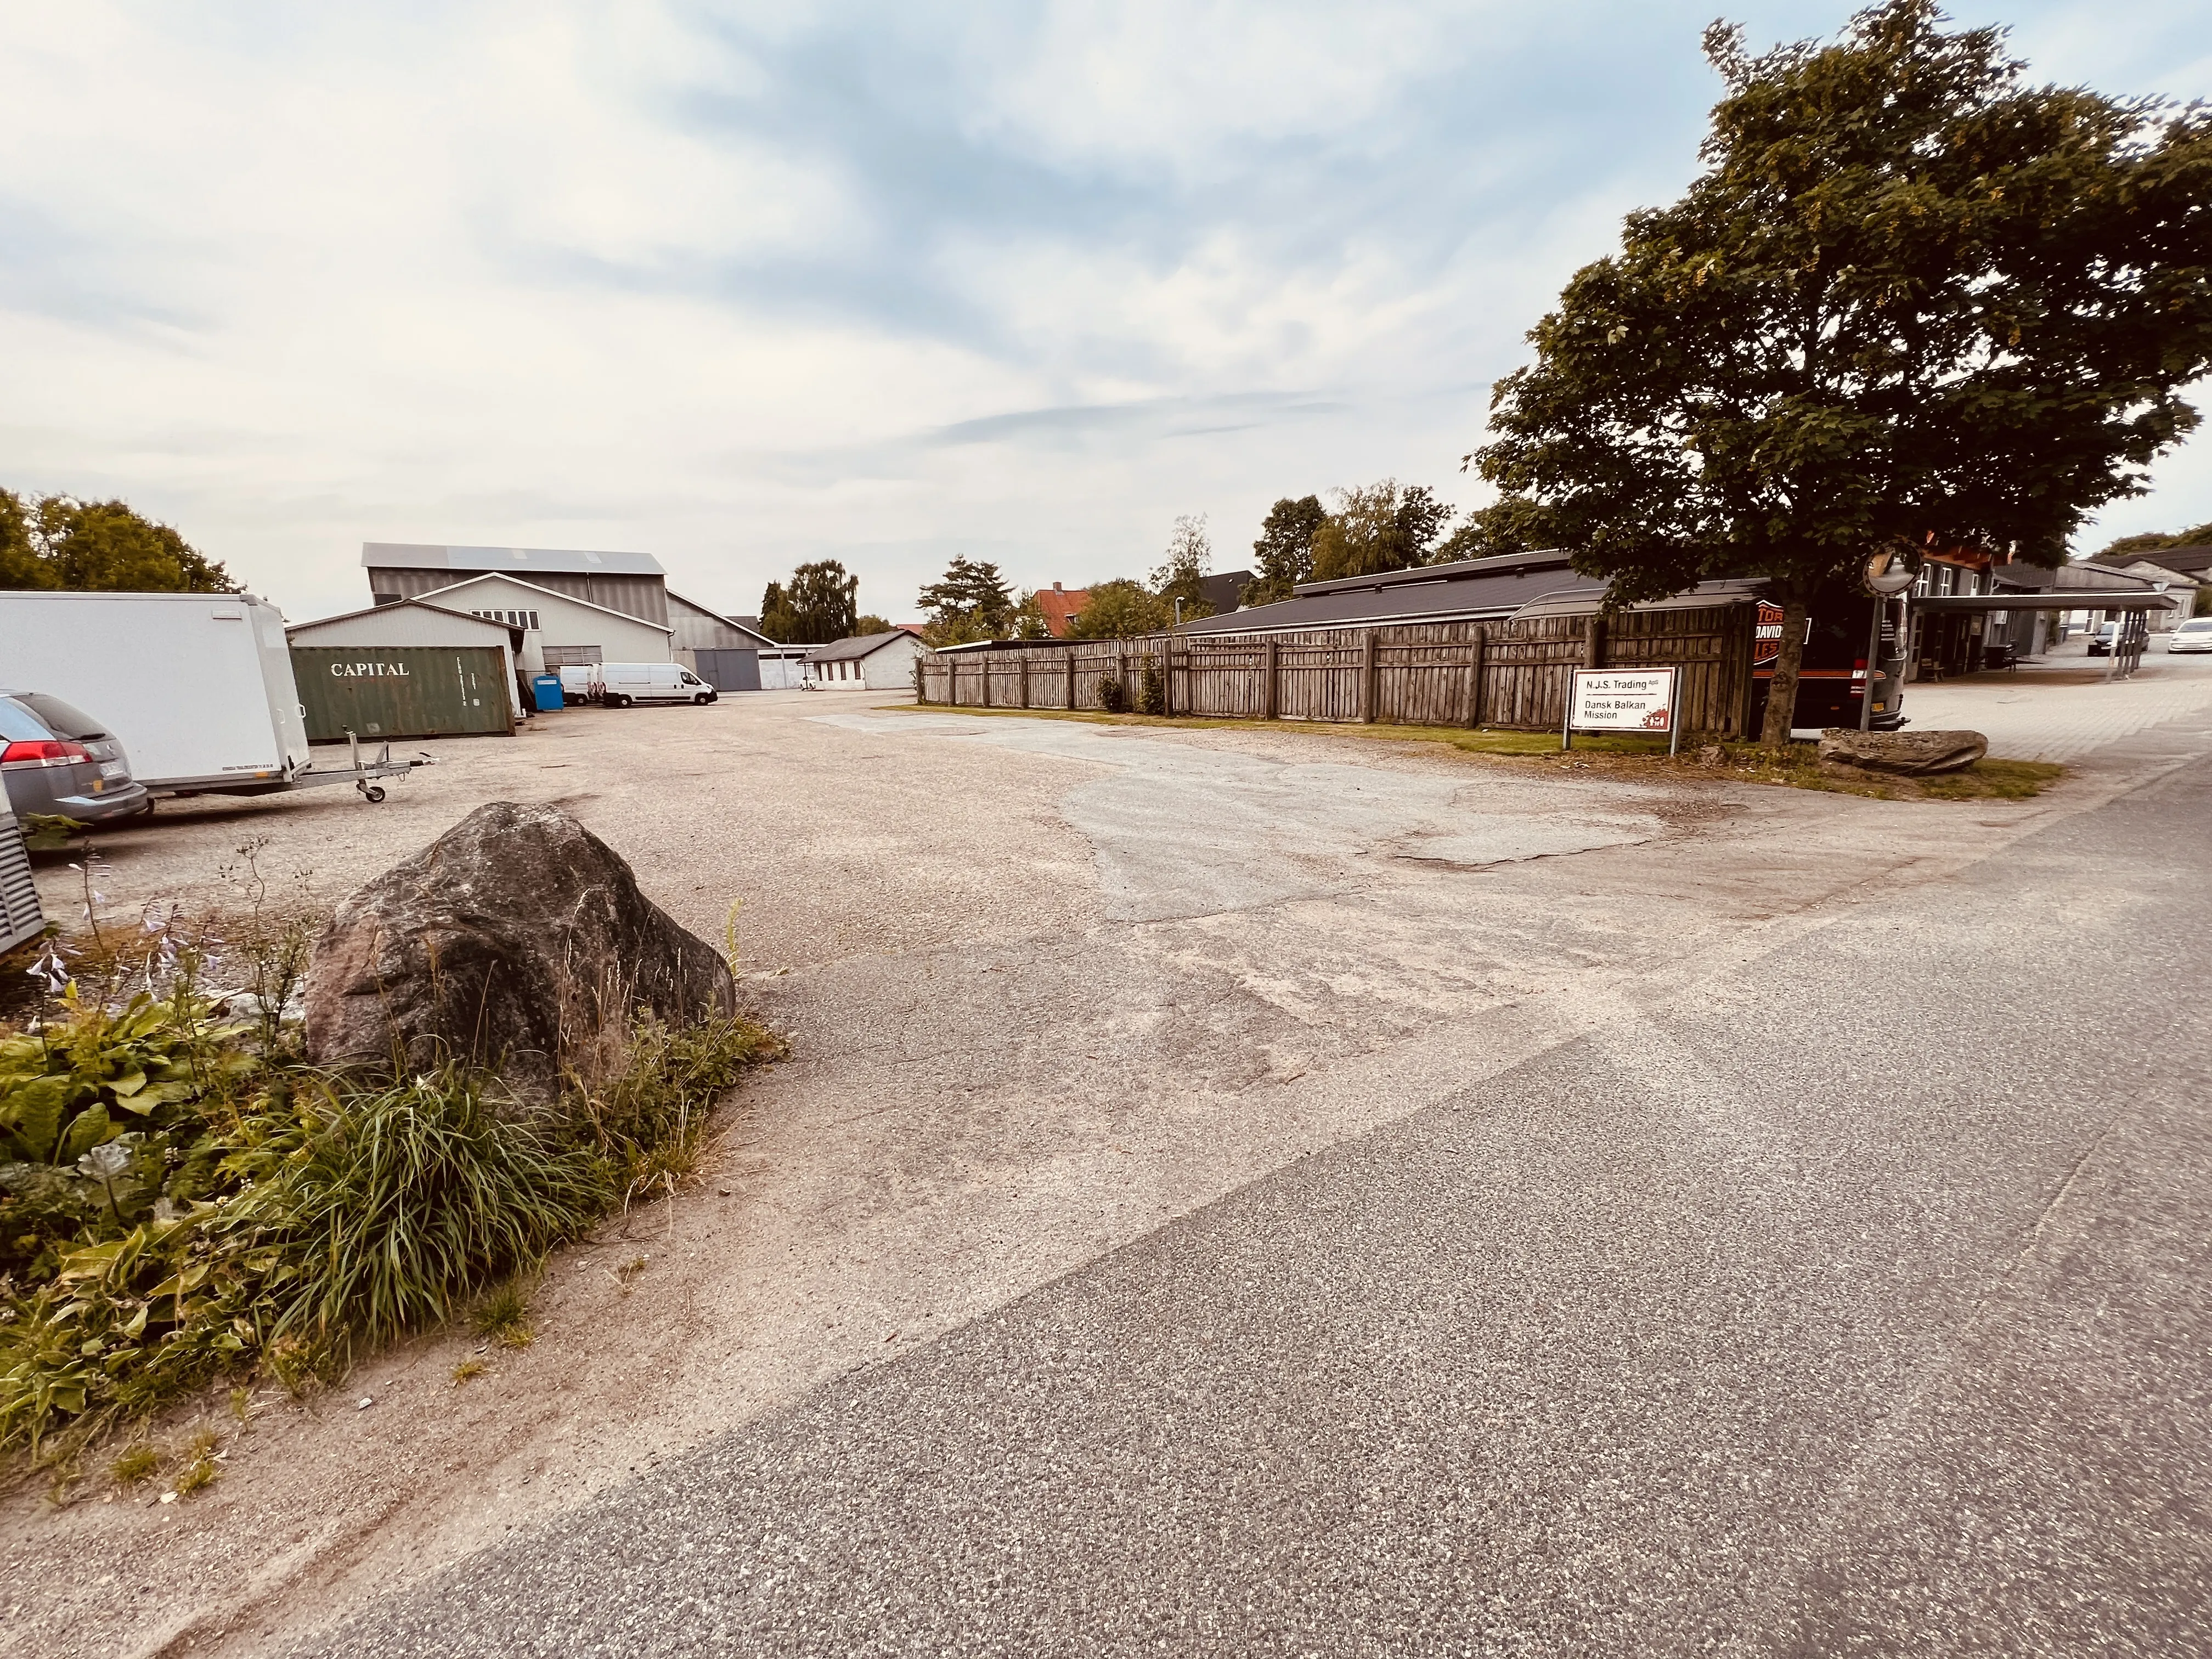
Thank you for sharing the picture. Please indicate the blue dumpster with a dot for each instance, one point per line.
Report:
(545, 691)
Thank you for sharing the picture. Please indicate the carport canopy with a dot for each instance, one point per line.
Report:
(2089, 598)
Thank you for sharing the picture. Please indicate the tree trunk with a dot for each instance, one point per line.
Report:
(1782, 690)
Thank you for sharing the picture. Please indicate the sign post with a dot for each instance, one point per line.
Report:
(1625, 700)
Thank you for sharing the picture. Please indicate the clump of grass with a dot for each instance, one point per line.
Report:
(503, 1315)
(626, 1275)
(468, 1368)
(134, 1464)
(184, 1198)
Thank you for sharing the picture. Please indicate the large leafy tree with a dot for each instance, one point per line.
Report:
(1912, 301)
(1376, 529)
(99, 547)
(820, 604)
(1121, 610)
(1283, 554)
(971, 601)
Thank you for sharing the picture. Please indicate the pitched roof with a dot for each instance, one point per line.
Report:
(509, 629)
(1225, 592)
(562, 599)
(743, 624)
(415, 555)
(1061, 606)
(860, 645)
(2194, 560)
(1495, 587)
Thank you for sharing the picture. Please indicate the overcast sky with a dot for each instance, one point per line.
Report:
(743, 286)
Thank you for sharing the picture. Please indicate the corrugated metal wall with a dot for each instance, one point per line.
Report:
(402, 691)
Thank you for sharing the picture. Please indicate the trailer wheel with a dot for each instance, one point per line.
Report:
(374, 792)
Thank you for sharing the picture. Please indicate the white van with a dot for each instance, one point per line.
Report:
(619, 685)
(576, 682)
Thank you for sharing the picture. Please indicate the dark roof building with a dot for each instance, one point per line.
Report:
(2182, 561)
(632, 583)
(1466, 590)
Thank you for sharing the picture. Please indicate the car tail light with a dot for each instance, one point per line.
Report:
(44, 752)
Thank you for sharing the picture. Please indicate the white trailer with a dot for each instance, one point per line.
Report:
(197, 686)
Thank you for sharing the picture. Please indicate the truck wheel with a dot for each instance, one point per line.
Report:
(618, 701)
(704, 698)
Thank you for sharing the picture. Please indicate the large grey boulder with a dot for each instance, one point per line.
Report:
(1908, 754)
(518, 941)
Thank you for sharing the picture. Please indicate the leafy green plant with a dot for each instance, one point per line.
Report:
(1113, 696)
(1152, 689)
(503, 1315)
(50, 832)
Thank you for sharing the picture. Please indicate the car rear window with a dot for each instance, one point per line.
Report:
(66, 719)
(2201, 625)
(19, 725)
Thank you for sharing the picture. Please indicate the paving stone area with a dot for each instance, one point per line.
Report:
(2060, 708)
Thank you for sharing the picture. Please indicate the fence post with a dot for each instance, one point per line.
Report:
(1024, 662)
(1070, 659)
(983, 662)
(1474, 678)
(1274, 700)
(1367, 676)
(1593, 644)
(921, 687)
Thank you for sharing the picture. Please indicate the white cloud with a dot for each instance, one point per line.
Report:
(740, 286)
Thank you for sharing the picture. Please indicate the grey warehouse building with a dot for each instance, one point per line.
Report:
(632, 583)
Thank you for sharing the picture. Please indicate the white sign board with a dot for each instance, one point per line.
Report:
(1612, 700)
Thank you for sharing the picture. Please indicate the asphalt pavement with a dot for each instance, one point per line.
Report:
(1852, 1301)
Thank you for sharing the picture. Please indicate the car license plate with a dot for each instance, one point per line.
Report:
(113, 769)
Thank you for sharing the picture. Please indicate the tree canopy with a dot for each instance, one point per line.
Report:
(1911, 301)
(1121, 610)
(1182, 574)
(1283, 552)
(2153, 541)
(99, 547)
(1376, 529)
(971, 601)
(821, 605)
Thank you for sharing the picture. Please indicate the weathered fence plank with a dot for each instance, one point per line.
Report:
(1512, 674)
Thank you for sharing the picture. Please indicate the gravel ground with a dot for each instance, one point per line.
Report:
(1749, 1324)
(1051, 989)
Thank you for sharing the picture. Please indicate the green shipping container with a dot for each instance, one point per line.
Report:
(381, 691)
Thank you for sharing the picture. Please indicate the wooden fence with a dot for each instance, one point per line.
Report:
(1512, 674)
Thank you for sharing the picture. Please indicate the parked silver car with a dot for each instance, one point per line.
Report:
(59, 759)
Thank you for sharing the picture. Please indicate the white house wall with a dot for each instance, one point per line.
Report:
(563, 621)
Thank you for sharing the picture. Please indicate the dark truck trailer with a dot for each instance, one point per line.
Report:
(1833, 676)
(386, 691)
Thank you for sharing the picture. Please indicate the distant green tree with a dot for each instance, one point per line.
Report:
(1181, 576)
(1911, 300)
(2153, 542)
(1377, 529)
(99, 547)
(1283, 553)
(971, 601)
(821, 605)
(1121, 610)
(864, 627)
(1512, 525)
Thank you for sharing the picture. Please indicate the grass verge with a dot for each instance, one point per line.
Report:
(184, 1198)
(1742, 762)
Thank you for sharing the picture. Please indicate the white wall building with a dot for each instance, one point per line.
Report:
(559, 632)
(870, 662)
